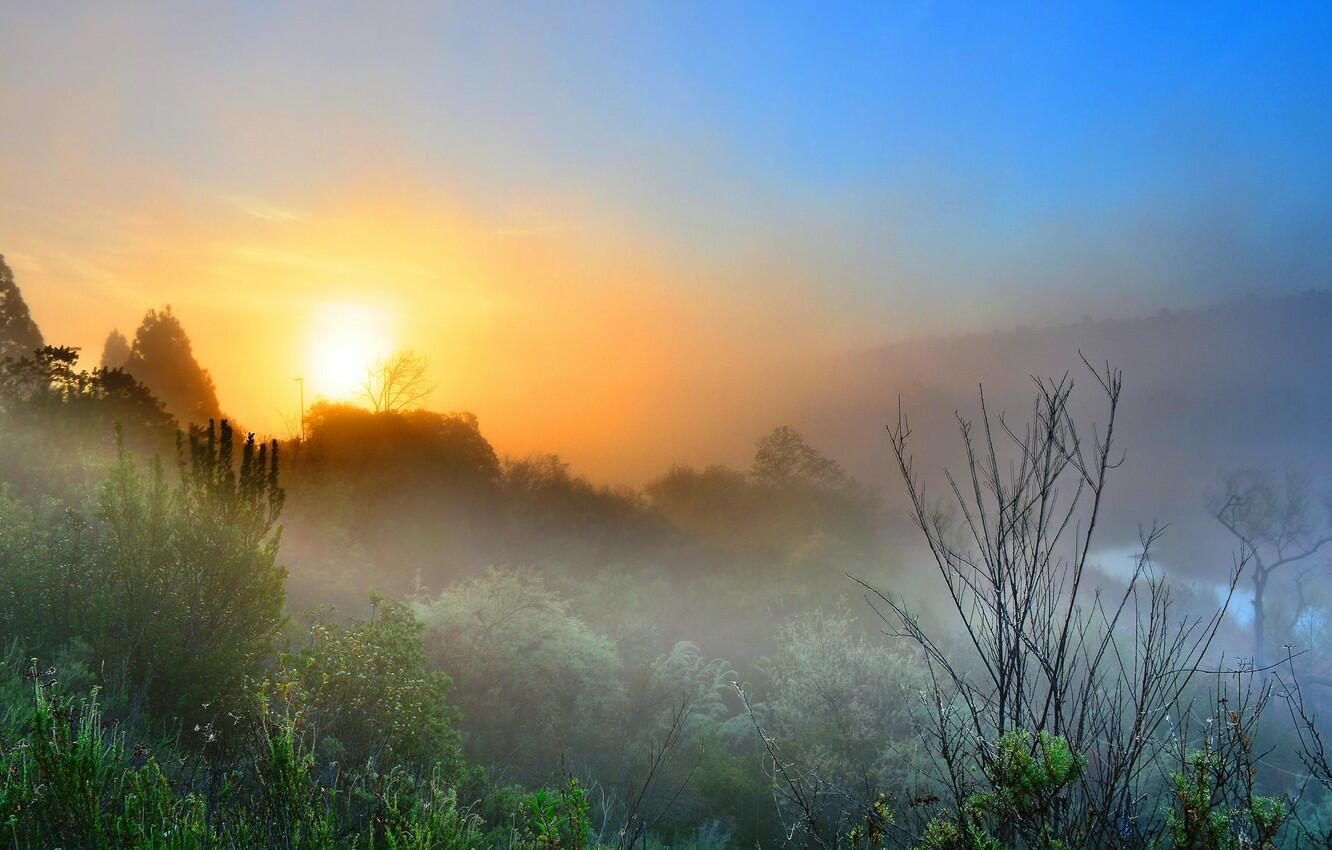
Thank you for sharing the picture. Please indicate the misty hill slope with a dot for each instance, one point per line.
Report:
(1244, 383)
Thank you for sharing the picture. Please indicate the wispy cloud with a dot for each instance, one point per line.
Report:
(263, 210)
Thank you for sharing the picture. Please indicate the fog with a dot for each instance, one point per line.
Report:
(520, 427)
(1242, 383)
(575, 617)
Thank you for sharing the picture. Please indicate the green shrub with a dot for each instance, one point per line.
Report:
(1206, 814)
(557, 818)
(534, 683)
(1027, 776)
(73, 783)
(428, 818)
(366, 692)
(173, 588)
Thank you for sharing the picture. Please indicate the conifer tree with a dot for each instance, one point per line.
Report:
(19, 335)
(161, 357)
(115, 351)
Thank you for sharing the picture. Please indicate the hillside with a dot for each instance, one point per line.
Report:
(1241, 383)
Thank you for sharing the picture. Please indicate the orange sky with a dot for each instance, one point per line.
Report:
(561, 332)
(627, 233)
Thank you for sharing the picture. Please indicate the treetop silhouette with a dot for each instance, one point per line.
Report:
(161, 357)
(19, 335)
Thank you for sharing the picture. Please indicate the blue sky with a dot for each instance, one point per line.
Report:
(972, 127)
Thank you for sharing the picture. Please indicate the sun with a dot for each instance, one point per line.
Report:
(345, 338)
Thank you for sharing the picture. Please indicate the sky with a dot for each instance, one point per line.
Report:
(626, 231)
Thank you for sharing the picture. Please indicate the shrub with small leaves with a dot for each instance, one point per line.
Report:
(368, 697)
(558, 818)
(872, 831)
(1027, 777)
(1208, 814)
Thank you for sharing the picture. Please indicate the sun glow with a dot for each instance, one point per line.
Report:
(345, 338)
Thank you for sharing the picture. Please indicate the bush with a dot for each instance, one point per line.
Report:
(365, 689)
(71, 780)
(173, 588)
(190, 594)
(840, 700)
(534, 683)
(1213, 806)
(557, 819)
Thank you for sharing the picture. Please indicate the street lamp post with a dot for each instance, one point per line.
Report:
(301, 382)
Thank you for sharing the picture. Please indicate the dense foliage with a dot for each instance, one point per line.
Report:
(546, 663)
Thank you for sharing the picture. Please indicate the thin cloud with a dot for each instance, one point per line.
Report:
(263, 210)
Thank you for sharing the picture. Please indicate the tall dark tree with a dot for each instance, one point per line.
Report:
(19, 335)
(783, 457)
(59, 422)
(115, 351)
(163, 360)
(47, 391)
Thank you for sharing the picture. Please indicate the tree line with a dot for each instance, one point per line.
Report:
(550, 663)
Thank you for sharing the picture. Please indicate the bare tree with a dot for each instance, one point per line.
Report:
(397, 382)
(1277, 526)
(639, 821)
(1313, 749)
(800, 796)
(1044, 653)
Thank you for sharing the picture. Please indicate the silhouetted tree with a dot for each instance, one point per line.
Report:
(58, 422)
(553, 501)
(396, 383)
(162, 359)
(794, 503)
(46, 390)
(1075, 686)
(18, 332)
(46, 375)
(400, 446)
(1277, 526)
(405, 488)
(783, 457)
(115, 351)
(712, 503)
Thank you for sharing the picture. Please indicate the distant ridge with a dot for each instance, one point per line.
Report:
(1245, 382)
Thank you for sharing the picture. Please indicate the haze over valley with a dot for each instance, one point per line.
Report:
(573, 427)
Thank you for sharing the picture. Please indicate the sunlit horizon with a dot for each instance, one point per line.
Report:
(345, 340)
(665, 426)
(586, 246)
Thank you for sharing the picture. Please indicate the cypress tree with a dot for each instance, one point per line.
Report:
(161, 357)
(116, 351)
(19, 336)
